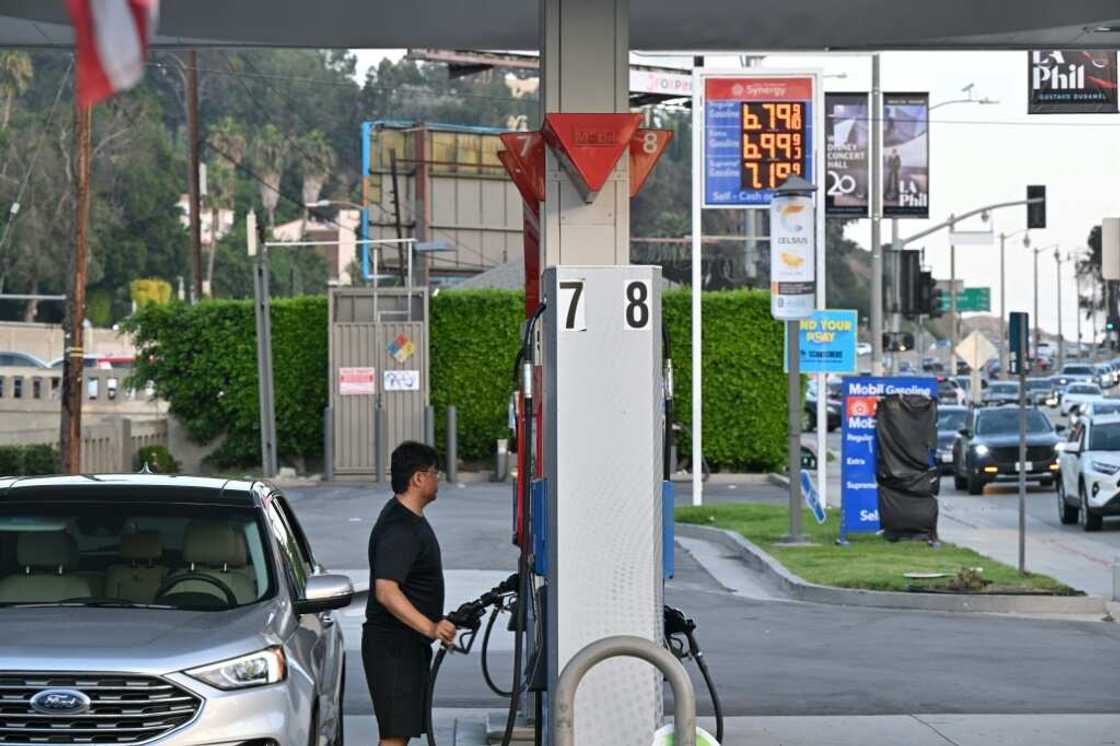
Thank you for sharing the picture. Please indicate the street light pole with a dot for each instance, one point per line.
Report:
(876, 220)
(1077, 306)
(953, 334)
(1003, 363)
(1036, 252)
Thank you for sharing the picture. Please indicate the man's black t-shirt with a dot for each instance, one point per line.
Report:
(403, 547)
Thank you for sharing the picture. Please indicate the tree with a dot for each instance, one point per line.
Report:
(228, 140)
(317, 161)
(16, 72)
(269, 154)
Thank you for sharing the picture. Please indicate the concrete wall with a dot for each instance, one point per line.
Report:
(45, 341)
(107, 448)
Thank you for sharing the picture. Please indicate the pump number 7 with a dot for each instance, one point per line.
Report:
(572, 309)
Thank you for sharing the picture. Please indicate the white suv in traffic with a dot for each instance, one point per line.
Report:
(1090, 467)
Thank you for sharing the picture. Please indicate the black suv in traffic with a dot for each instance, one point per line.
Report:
(987, 449)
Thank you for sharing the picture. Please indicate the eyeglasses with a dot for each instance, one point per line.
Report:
(432, 472)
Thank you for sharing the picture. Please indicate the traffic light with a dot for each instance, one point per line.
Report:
(898, 341)
(925, 293)
(1112, 324)
(936, 303)
(1036, 213)
(909, 273)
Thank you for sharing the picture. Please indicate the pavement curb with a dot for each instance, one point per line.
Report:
(801, 590)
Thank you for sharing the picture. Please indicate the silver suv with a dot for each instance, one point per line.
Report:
(142, 608)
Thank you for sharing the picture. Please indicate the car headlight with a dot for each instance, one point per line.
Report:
(980, 449)
(263, 667)
(1104, 468)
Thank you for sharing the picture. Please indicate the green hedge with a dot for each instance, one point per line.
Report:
(744, 386)
(203, 361)
(31, 460)
(474, 340)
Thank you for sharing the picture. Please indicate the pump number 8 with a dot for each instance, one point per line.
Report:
(637, 304)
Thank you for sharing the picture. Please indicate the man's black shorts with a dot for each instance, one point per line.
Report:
(397, 665)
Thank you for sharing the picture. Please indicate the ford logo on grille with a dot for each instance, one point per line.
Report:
(60, 702)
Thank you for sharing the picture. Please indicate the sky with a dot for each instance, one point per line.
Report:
(979, 155)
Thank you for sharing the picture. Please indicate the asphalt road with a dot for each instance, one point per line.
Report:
(769, 657)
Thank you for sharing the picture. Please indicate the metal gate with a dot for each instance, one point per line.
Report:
(379, 364)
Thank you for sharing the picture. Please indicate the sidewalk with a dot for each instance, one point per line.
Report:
(467, 728)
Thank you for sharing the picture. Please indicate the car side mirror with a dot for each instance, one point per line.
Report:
(324, 593)
(1059, 429)
(965, 432)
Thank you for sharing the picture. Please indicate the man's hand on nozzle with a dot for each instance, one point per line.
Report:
(444, 631)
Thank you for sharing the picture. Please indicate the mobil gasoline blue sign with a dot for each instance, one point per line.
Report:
(859, 451)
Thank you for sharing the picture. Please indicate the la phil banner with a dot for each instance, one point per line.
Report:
(859, 450)
(906, 155)
(847, 137)
(1072, 81)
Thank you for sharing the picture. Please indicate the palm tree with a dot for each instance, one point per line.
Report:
(317, 160)
(269, 154)
(228, 139)
(16, 72)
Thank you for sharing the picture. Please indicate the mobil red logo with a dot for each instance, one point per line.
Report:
(862, 406)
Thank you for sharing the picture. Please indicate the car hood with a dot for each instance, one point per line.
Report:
(154, 641)
(1104, 457)
(945, 438)
(1012, 439)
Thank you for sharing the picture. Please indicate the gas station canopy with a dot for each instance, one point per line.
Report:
(702, 25)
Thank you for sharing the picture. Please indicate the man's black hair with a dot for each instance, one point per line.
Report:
(409, 458)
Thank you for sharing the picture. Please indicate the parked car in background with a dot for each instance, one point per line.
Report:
(987, 449)
(930, 364)
(950, 392)
(950, 420)
(178, 610)
(863, 348)
(1077, 394)
(1097, 408)
(1074, 373)
(1041, 393)
(1090, 462)
(833, 407)
(1106, 377)
(999, 393)
(20, 360)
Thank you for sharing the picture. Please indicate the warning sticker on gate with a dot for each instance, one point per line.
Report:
(357, 381)
(401, 348)
(402, 380)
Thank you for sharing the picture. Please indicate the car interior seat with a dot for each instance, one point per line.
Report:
(142, 570)
(46, 563)
(217, 549)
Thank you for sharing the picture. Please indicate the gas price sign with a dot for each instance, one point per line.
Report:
(758, 131)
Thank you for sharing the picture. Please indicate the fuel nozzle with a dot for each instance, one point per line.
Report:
(679, 623)
(468, 617)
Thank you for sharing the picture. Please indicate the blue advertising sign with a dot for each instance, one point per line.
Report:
(859, 453)
(758, 131)
(812, 497)
(827, 342)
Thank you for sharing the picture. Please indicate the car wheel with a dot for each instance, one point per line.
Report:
(1089, 521)
(975, 485)
(1067, 513)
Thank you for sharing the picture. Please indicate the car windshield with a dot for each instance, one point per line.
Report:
(1004, 388)
(951, 420)
(946, 388)
(1078, 370)
(111, 554)
(1084, 389)
(1105, 437)
(1005, 421)
(1100, 408)
(1035, 384)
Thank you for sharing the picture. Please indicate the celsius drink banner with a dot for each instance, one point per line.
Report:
(1067, 81)
(847, 137)
(859, 448)
(906, 155)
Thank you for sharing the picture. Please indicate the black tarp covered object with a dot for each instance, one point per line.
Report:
(906, 431)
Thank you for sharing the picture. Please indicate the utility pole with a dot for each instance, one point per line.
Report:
(1061, 337)
(70, 435)
(1036, 251)
(1002, 308)
(876, 219)
(1077, 279)
(953, 331)
(192, 177)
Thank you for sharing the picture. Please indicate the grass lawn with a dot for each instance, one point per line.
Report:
(869, 562)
